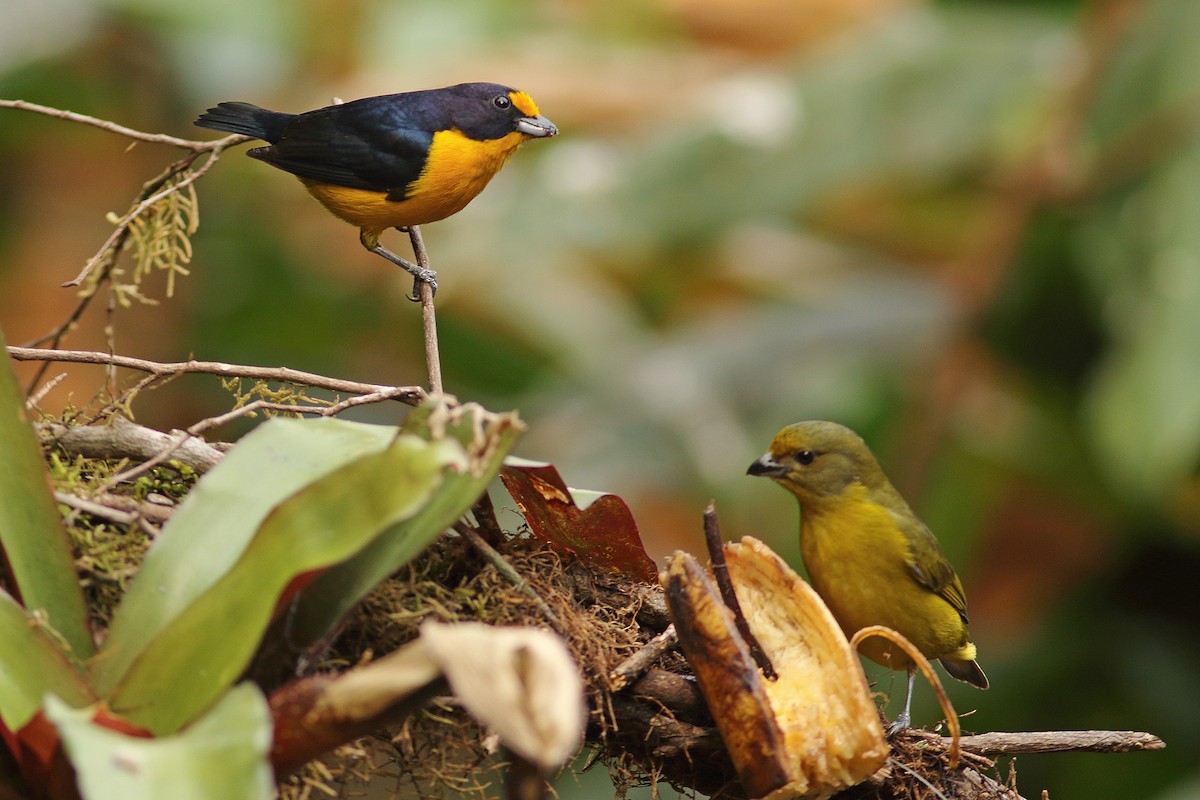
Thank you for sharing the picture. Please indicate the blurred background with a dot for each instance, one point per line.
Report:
(969, 230)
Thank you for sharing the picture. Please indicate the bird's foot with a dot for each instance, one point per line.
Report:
(903, 721)
(422, 275)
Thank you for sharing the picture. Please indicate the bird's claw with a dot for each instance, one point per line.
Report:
(423, 276)
(903, 721)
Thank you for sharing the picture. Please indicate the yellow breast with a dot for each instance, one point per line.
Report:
(457, 168)
(856, 557)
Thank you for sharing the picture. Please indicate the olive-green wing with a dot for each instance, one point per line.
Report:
(930, 568)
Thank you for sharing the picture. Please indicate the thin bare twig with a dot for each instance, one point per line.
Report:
(121, 130)
(179, 437)
(411, 395)
(116, 508)
(1002, 743)
(919, 777)
(95, 509)
(46, 388)
(716, 554)
(177, 440)
(152, 193)
(433, 361)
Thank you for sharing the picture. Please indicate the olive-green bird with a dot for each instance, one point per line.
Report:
(869, 557)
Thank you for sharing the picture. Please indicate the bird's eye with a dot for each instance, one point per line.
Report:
(502, 101)
(805, 457)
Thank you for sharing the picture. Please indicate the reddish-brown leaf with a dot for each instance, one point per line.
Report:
(596, 528)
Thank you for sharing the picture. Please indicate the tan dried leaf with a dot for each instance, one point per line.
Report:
(520, 682)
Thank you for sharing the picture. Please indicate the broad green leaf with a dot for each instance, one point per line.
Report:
(215, 524)
(32, 539)
(32, 665)
(487, 439)
(190, 662)
(223, 754)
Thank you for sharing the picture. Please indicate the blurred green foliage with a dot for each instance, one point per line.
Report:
(967, 229)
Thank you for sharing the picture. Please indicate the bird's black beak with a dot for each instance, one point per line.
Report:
(537, 126)
(767, 467)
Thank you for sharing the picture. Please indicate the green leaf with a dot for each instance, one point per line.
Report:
(33, 665)
(224, 754)
(32, 539)
(189, 662)
(487, 439)
(216, 522)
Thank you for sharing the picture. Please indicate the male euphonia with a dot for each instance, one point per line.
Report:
(396, 160)
(869, 557)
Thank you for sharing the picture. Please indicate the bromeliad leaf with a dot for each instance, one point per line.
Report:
(486, 439)
(216, 523)
(32, 540)
(200, 644)
(33, 666)
(223, 754)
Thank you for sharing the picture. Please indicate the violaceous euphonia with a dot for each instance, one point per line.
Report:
(396, 160)
(869, 557)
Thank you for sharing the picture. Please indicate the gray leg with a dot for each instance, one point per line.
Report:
(420, 274)
(905, 717)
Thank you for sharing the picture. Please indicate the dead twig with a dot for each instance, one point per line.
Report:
(716, 553)
(411, 395)
(178, 176)
(121, 130)
(116, 508)
(1002, 743)
(485, 517)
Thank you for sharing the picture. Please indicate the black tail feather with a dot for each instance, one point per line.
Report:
(245, 118)
(967, 671)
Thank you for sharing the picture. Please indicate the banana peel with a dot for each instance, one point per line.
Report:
(814, 730)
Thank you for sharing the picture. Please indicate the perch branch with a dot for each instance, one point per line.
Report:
(433, 360)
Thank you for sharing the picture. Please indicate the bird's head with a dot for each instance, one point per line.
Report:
(491, 111)
(816, 460)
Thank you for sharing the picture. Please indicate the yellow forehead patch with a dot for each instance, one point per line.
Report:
(524, 103)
